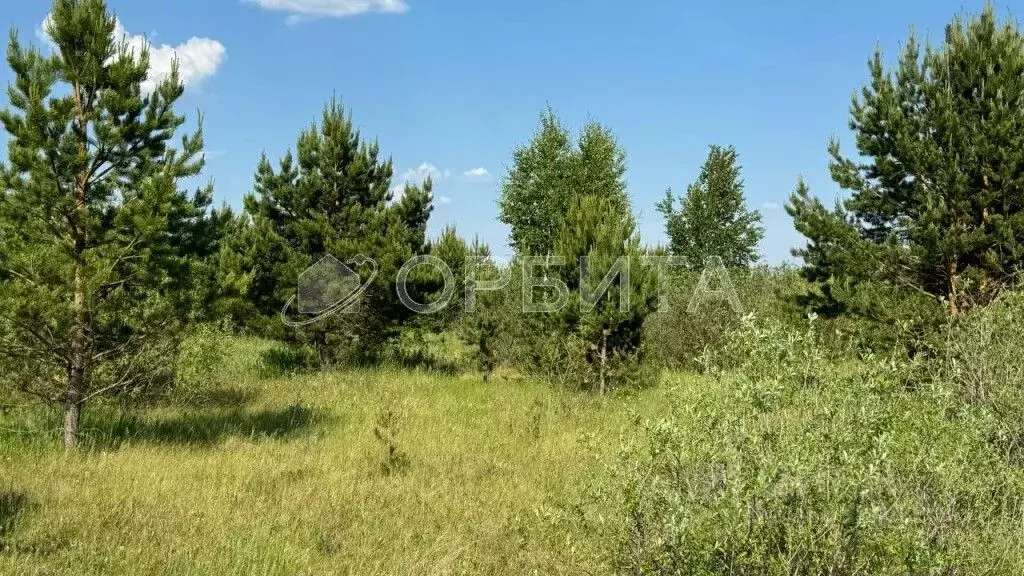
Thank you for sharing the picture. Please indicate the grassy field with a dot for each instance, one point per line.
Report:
(287, 476)
(789, 463)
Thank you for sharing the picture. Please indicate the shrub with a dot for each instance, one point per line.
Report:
(200, 359)
(882, 318)
(983, 362)
(678, 337)
(481, 332)
(794, 465)
(562, 347)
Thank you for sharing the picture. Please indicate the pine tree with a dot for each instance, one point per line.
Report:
(712, 219)
(97, 243)
(481, 323)
(332, 197)
(454, 251)
(826, 259)
(939, 199)
(569, 200)
(599, 238)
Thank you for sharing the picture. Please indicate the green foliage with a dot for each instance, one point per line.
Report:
(284, 359)
(678, 336)
(599, 243)
(200, 356)
(333, 197)
(455, 252)
(100, 251)
(484, 333)
(550, 173)
(569, 202)
(982, 362)
(792, 465)
(481, 325)
(936, 206)
(712, 219)
(848, 283)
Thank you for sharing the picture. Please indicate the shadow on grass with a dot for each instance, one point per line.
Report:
(204, 428)
(11, 506)
(419, 359)
(218, 398)
(288, 360)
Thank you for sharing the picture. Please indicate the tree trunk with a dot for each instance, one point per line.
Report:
(78, 364)
(72, 413)
(76, 369)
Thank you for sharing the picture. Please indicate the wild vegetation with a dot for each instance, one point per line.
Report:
(183, 392)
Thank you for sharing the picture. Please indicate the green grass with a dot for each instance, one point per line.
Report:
(284, 476)
(784, 463)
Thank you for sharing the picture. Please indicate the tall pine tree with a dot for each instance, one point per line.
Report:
(712, 219)
(332, 197)
(96, 240)
(937, 203)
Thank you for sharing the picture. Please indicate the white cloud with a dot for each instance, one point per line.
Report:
(417, 176)
(443, 200)
(300, 10)
(198, 58)
(424, 171)
(477, 174)
(43, 35)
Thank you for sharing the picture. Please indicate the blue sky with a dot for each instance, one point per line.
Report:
(452, 86)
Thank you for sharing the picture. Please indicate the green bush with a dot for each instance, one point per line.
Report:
(794, 465)
(677, 337)
(881, 317)
(423, 348)
(982, 360)
(200, 358)
(546, 345)
(528, 343)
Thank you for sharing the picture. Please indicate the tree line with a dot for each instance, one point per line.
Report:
(106, 259)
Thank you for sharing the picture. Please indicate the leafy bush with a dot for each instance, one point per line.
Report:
(880, 317)
(872, 318)
(201, 357)
(422, 349)
(561, 346)
(678, 337)
(983, 361)
(794, 465)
